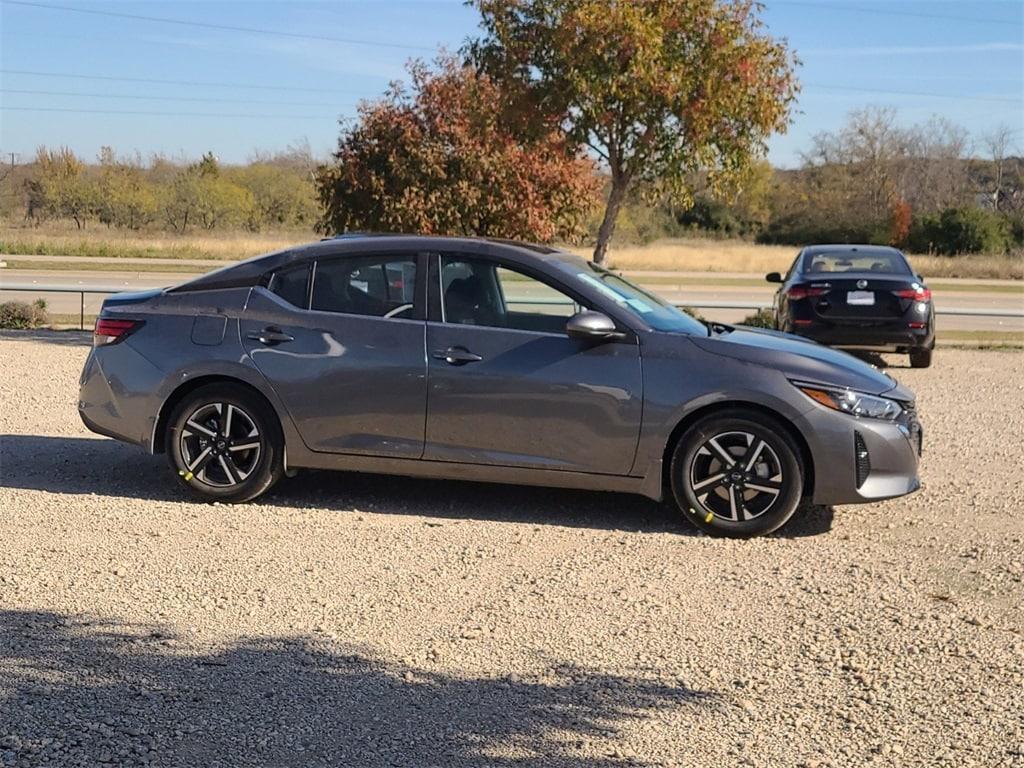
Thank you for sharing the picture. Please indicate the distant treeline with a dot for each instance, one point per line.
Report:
(929, 188)
(272, 191)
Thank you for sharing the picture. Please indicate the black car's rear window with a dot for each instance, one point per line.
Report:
(851, 261)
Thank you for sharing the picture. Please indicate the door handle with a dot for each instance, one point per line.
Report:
(270, 336)
(457, 356)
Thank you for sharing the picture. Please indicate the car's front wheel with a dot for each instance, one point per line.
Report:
(224, 442)
(737, 473)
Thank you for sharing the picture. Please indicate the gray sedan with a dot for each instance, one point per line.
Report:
(492, 361)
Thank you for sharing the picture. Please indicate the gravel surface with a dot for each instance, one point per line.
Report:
(365, 621)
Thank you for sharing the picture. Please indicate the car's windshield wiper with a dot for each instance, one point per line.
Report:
(718, 328)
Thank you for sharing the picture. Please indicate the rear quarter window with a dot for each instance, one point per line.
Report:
(292, 285)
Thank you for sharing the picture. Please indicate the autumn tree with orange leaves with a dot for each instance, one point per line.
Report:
(657, 89)
(437, 158)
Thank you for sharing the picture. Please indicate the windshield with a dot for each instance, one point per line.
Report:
(655, 311)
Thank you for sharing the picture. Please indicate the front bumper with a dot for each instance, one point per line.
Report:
(892, 451)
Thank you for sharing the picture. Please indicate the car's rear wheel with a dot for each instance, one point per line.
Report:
(224, 442)
(737, 473)
(920, 358)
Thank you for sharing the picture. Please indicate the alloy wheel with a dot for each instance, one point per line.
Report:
(736, 476)
(220, 444)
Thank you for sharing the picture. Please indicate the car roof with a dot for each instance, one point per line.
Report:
(249, 272)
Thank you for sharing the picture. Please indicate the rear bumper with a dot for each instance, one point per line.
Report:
(884, 336)
(892, 448)
(115, 394)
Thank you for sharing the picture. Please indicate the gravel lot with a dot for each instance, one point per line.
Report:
(355, 620)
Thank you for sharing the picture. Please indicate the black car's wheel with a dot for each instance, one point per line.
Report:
(920, 358)
(737, 473)
(225, 444)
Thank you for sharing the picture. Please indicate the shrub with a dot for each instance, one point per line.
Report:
(763, 318)
(711, 216)
(694, 314)
(21, 315)
(800, 229)
(960, 230)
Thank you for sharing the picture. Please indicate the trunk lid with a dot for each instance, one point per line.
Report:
(859, 297)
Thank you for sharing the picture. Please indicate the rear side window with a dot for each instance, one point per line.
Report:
(291, 285)
(379, 286)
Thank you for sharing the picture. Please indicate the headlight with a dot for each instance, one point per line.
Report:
(849, 401)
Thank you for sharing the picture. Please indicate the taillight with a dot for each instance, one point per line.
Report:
(798, 292)
(917, 294)
(111, 330)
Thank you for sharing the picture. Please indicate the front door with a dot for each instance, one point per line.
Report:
(507, 386)
(346, 353)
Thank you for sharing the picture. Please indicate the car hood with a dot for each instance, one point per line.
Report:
(801, 359)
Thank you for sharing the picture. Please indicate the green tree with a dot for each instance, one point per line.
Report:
(656, 89)
(961, 230)
(126, 197)
(281, 196)
(63, 188)
(439, 159)
(200, 195)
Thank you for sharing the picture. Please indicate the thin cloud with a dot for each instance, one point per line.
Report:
(914, 50)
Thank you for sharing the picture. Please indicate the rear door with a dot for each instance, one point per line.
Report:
(341, 340)
(508, 387)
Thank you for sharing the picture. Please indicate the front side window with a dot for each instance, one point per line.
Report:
(379, 286)
(479, 292)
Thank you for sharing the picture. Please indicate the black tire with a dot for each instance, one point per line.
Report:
(766, 495)
(920, 358)
(235, 467)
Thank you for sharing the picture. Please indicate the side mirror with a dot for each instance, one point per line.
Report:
(773, 277)
(592, 326)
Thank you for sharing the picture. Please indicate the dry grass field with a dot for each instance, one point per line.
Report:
(699, 255)
(676, 255)
(98, 241)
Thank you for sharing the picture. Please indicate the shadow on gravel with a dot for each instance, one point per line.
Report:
(82, 691)
(73, 338)
(77, 465)
(879, 361)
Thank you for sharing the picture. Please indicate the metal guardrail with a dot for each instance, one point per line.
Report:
(110, 289)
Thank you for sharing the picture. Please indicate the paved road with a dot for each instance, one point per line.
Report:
(685, 292)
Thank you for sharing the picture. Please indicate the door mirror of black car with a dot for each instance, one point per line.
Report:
(592, 326)
(773, 277)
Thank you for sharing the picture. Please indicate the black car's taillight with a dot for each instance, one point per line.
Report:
(797, 292)
(110, 330)
(917, 294)
(861, 457)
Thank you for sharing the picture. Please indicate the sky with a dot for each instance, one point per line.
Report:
(235, 77)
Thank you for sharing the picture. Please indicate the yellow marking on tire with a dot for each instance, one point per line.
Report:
(186, 475)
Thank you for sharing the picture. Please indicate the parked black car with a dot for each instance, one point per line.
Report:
(857, 297)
